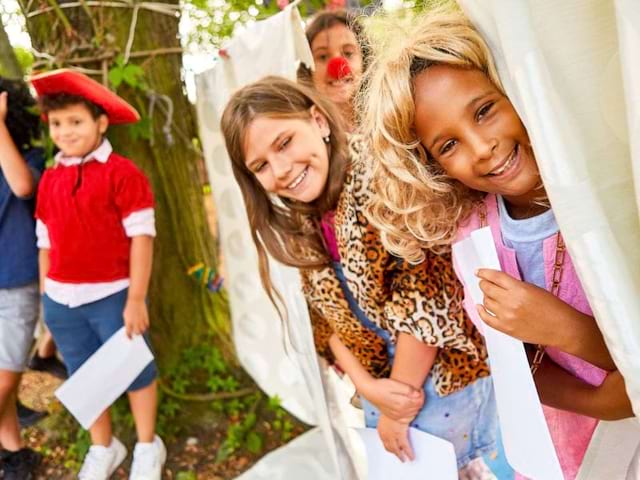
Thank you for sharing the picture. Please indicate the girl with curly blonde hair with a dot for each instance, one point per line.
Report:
(450, 154)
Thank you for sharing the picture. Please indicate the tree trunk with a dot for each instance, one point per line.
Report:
(9, 65)
(182, 311)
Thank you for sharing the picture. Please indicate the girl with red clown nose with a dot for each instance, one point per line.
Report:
(336, 44)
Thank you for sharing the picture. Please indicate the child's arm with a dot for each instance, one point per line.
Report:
(412, 364)
(536, 316)
(136, 316)
(559, 389)
(395, 399)
(13, 166)
(43, 266)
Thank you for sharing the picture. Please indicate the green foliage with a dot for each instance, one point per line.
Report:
(281, 421)
(25, 59)
(241, 434)
(186, 476)
(129, 73)
(141, 129)
(133, 76)
(214, 21)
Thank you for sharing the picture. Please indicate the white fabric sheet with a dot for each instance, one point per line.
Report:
(571, 69)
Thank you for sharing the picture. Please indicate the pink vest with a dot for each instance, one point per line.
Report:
(571, 433)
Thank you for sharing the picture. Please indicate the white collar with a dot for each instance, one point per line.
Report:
(101, 154)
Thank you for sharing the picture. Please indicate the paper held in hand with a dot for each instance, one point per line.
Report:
(104, 377)
(527, 442)
(435, 458)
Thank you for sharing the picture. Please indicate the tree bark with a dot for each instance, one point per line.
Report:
(9, 65)
(182, 312)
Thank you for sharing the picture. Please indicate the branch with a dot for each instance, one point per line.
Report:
(63, 18)
(206, 397)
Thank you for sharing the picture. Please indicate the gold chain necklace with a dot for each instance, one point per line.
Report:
(558, 267)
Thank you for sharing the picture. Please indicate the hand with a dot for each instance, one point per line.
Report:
(395, 438)
(3, 106)
(396, 400)
(520, 309)
(136, 317)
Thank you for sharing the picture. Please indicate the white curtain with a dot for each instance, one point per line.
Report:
(271, 47)
(572, 70)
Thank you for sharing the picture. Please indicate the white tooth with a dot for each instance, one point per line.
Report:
(506, 165)
(297, 181)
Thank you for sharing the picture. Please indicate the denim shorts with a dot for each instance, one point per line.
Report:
(467, 418)
(80, 331)
(19, 308)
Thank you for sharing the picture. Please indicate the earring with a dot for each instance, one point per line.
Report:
(326, 139)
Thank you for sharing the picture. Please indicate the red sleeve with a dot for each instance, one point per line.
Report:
(132, 190)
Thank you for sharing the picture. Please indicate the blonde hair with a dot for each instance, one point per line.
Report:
(416, 206)
(287, 229)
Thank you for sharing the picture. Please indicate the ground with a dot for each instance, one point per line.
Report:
(191, 454)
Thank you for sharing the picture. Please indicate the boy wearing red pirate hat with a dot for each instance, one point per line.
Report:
(95, 228)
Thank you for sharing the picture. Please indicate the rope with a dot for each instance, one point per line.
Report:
(158, 7)
(166, 129)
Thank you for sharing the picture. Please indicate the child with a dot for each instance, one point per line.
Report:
(20, 170)
(442, 128)
(286, 142)
(95, 227)
(336, 43)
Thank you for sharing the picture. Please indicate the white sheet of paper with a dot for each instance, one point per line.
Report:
(435, 458)
(527, 442)
(104, 377)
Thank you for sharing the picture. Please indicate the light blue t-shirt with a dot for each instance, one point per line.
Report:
(526, 237)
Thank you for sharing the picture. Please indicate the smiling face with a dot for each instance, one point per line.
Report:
(472, 130)
(336, 41)
(75, 131)
(288, 156)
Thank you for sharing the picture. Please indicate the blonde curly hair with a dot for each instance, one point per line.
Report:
(416, 206)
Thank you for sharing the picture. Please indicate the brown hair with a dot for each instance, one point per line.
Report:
(287, 229)
(59, 101)
(325, 20)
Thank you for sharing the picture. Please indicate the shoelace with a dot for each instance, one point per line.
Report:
(95, 464)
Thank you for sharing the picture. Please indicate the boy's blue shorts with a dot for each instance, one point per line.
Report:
(80, 331)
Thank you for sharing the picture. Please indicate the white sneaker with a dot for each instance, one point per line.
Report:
(100, 462)
(148, 460)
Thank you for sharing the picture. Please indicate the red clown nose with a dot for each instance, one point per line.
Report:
(338, 68)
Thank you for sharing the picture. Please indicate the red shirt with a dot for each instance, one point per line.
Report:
(88, 240)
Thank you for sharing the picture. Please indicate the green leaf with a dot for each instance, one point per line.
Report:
(254, 442)
(141, 129)
(182, 475)
(132, 75)
(116, 76)
(274, 403)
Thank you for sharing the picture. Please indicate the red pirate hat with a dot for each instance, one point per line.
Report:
(76, 83)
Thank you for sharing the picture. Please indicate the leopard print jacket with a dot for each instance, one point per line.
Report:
(423, 300)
